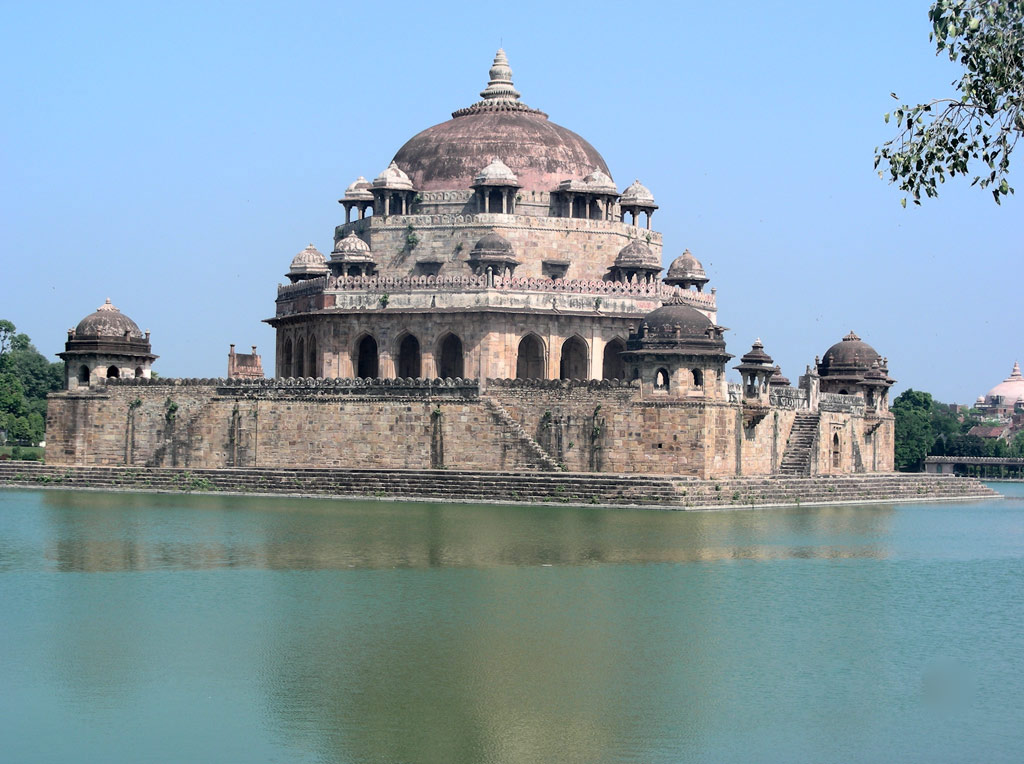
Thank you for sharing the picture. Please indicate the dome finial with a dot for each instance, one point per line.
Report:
(500, 86)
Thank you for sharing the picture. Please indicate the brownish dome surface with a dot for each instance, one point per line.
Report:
(450, 155)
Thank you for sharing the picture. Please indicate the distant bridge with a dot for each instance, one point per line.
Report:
(981, 466)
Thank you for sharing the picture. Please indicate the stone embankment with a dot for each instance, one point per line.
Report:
(494, 487)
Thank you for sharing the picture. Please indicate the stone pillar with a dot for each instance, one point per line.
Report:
(504, 202)
(428, 368)
(387, 364)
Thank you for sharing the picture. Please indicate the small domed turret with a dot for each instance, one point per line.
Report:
(686, 271)
(308, 264)
(494, 251)
(105, 345)
(352, 257)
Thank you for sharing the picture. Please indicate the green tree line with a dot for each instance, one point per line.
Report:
(924, 427)
(26, 377)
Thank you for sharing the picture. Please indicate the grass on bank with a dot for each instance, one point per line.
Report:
(24, 453)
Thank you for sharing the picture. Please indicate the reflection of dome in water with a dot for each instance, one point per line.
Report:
(539, 152)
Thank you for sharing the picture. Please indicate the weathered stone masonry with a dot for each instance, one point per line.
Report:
(585, 426)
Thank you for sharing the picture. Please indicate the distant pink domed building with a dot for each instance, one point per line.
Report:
(1005, 397)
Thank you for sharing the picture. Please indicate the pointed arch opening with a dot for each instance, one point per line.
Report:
(113, 372)
(83, 375)
(286, 358)
(409, 357)
(661, 380)
(312, 360)
(300, 358)
(836, 451)
(530, 358)
(367, 359)
(614, 366)
(450, 363)
(574, 359)
(138, 372)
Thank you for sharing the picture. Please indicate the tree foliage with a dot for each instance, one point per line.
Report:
(26, 377)
(913, 429)
(976, 132)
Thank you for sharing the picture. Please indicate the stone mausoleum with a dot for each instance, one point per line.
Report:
(492, 301)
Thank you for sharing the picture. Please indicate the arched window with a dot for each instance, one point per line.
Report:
(661, 379)
(367, 365)
(409, 357)
(286, 359)
(138, 372)
(574, 359)
(83, 375)
(836, 451)
(698, 377)
(530, 358)
(311, 365)
(614, 366)
(449, 355)
(300, 358)
(113, 372)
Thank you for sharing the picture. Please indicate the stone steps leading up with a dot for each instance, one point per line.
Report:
(488, 487)
(796, 458)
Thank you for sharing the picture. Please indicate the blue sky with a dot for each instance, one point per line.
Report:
(175, 157)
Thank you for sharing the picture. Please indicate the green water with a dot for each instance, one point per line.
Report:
(149, 628)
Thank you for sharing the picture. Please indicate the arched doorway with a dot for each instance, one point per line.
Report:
(113, 372)
(138, 372)
(83, 375)
(530, 359)
(614, 366)
(574, 359)
(300, 358)
(450, 363)
(836, 451)
(367, 364)
(661, 379)
(409, 357)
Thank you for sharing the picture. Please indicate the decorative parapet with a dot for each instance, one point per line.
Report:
(437, 284)
(788, 398)
(851, 404)
(457, 387)
(565, 384)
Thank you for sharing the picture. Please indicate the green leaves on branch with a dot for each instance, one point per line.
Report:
(977, 132)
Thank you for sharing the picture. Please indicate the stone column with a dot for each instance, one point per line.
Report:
(387, 365)
(428, 368)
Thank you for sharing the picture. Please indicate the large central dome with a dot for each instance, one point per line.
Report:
(450, 155)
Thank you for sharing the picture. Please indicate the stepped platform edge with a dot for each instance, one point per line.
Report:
(572, 488)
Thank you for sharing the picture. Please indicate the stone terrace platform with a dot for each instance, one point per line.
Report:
(506, 488)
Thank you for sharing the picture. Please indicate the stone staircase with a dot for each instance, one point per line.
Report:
(505, 487)
(535, 455)
(781, 490)
(796, 459)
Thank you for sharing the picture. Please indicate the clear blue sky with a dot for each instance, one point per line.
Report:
(175, 156)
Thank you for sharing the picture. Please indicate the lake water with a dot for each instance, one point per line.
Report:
(163, 628)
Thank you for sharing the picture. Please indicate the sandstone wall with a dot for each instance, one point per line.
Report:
(212, 426)
(585, 426)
